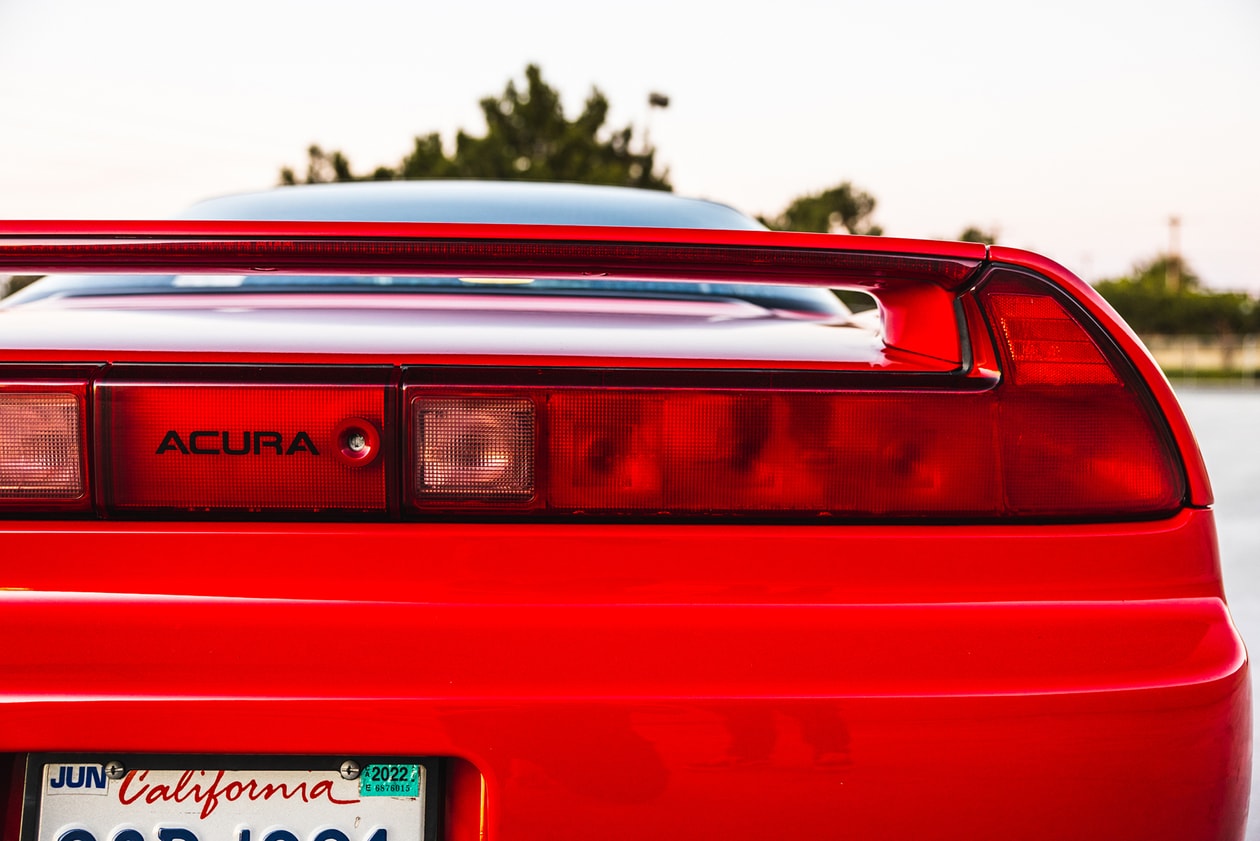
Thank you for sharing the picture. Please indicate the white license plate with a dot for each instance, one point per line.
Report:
(193, 800)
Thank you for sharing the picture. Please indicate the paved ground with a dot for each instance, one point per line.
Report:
(1227, 424)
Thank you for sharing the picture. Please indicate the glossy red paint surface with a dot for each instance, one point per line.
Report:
(1078, 680)
(634, 678)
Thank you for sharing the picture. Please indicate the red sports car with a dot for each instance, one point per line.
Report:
(406, 512)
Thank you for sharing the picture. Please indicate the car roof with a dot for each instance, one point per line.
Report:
(513, 202)
(466, 202)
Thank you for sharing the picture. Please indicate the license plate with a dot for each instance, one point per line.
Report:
(97, 798)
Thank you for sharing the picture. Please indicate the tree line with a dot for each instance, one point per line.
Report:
(1163, 295)
(528, 137)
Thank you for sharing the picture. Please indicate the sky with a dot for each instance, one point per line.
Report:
(1075, 128)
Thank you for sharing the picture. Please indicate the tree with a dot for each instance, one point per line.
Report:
(974, 234)
(321, 168)
(1164, 295)
(841, 208)
(527, 137)
(1154, 275)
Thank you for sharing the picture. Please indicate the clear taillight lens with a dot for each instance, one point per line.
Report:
(39, 446)
(42, 437)
(473, 448)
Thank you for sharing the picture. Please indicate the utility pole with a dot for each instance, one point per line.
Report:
(1172, 267)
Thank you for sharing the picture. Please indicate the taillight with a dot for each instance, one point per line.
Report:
(1042, 418)
(244, 440)
(643, 452)
(1044, 345)
(1079, 432)
(43, 452)
(775, 452)
(1068, 432)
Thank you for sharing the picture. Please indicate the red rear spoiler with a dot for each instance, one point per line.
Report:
(915, 282)
(873, 263)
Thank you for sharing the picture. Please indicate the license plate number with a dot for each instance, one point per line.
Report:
(92, 799)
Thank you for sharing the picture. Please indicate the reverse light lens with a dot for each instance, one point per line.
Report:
(40, 446)
(473, 447)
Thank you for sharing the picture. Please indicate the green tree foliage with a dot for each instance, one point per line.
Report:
(321, 168)
(527, 137)
(1164, 295)
(841, 208)
(974, 234)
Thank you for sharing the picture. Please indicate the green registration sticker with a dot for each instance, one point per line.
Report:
(390, 781)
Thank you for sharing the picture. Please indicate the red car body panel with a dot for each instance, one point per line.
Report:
(621, 680)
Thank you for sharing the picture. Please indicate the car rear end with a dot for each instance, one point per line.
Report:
(955, 578)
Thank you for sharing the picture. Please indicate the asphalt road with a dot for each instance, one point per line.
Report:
(1227, 424)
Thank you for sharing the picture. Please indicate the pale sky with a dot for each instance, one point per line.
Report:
(1076, 128)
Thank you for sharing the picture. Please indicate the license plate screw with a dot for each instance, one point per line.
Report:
(349, 770)
(115, 770)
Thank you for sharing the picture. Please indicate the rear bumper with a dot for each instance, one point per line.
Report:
(626, 681)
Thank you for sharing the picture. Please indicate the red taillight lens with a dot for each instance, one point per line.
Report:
(1044, 344)
(43, 463)
(1079, 433)
(775, 452)
(226, 443)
